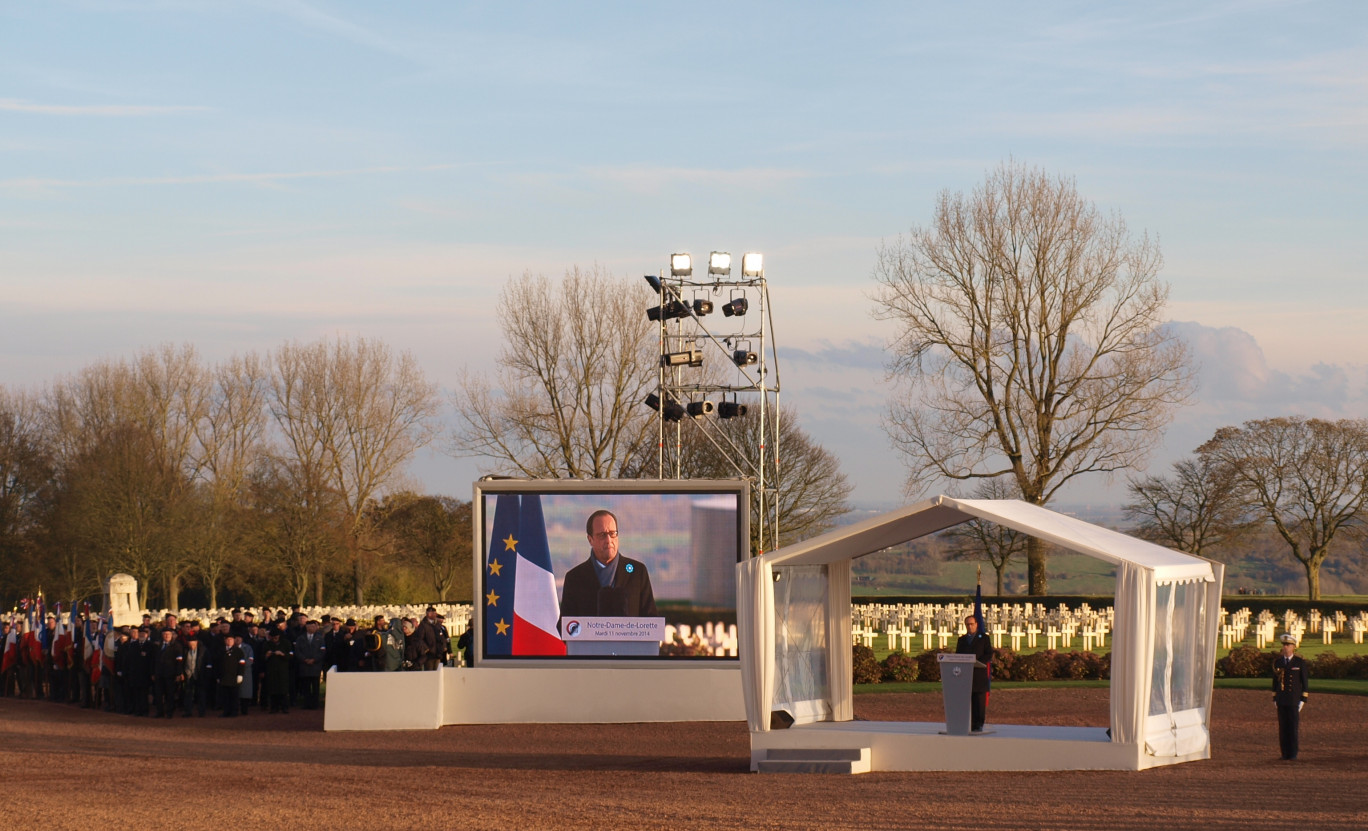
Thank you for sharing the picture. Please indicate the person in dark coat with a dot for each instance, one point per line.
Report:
(426, 633)
(232, 665)
(138, 671)
(978, 644)
(607, 583)
(197, 671)
(278, 654)
(1290, 691)
(413, 647)
(168, 673)
(309, 656)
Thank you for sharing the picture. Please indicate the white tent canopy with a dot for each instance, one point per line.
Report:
(795, 623)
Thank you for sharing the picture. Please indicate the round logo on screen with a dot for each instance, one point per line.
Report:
(630, 568)
(572, 628)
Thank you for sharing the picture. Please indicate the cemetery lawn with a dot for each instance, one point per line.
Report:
(1319, 686)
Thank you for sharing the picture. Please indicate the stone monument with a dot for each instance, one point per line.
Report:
(121, 600)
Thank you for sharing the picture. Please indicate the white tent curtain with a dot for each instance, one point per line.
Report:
(1177, 717)
(802, 596)
(1132, 648)
(1211, 628)
(839, 638)
(754, 631)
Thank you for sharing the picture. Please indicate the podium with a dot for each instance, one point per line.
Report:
(613, 636)
(957, 688)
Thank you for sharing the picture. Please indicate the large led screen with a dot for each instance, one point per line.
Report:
(619, 569)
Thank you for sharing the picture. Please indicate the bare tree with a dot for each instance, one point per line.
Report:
(123, 437)
(352, 415)
(433, 532)
(1305, 476)
(230, 443)
(1029, 342)
(295, 528)
(1197, 509)
(982, 540)
(809, 487)
(26, 474)
(576, 364)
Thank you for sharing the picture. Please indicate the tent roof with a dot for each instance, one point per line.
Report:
(941, 512)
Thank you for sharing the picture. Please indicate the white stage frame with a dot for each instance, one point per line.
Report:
(1151, 625)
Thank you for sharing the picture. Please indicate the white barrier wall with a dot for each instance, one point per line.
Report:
(531, 695)
(383, 701)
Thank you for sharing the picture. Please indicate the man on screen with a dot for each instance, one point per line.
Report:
(606, 583)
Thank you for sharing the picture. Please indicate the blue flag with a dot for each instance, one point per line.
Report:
(500, 577)
(978, 608)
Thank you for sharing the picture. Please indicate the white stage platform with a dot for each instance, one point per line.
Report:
(532, 695)
(898, 745)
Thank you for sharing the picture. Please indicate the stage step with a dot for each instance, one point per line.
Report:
(824, 760)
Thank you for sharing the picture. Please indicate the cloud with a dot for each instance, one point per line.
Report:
(1234, 378)
(18, 105)
(867, 354)
(215, 178)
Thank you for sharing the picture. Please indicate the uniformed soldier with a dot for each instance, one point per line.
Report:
(1290, 691)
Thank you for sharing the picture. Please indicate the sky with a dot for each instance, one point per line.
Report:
(238, 174)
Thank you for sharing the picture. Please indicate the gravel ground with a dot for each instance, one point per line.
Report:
(73, 768)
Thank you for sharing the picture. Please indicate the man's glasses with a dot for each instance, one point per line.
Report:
(606, 535)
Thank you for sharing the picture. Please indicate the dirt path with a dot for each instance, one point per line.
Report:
(79, 769)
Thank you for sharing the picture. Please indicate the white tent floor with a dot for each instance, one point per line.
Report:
(902, 745)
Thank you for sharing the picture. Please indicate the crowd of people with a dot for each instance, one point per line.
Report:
(169, 667)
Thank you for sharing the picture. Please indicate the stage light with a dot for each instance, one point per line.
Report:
(691, 357)
(753, 264)
(698, 409)
(672, 411)
(736, 308)
(681, 265)
(719, 262)
(744, 357)
(702, 306)
(731, 409)
(669, 311)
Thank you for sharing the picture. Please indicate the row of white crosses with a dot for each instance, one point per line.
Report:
(712, 638)
(457, 614)
(1265, 626)
(935, 624)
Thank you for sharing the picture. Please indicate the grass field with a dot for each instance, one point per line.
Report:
(1321, 686)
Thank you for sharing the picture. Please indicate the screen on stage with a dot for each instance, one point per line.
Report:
(635, 570)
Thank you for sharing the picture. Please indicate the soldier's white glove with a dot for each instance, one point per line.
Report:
(1300, 705)
(239, 679)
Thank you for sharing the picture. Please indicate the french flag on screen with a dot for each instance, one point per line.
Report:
(520, 605)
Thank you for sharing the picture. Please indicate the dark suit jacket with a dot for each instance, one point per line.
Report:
(981, 647)
(1290, 680)
(629, 596)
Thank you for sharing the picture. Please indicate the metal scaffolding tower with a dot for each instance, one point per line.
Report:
(718, 377)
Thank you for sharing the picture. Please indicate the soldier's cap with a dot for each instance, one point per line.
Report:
(275, 633)
(248, 613)
(1288, 637)
(432, 608)
(349, 622)
(192, 636)
(144, 629)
